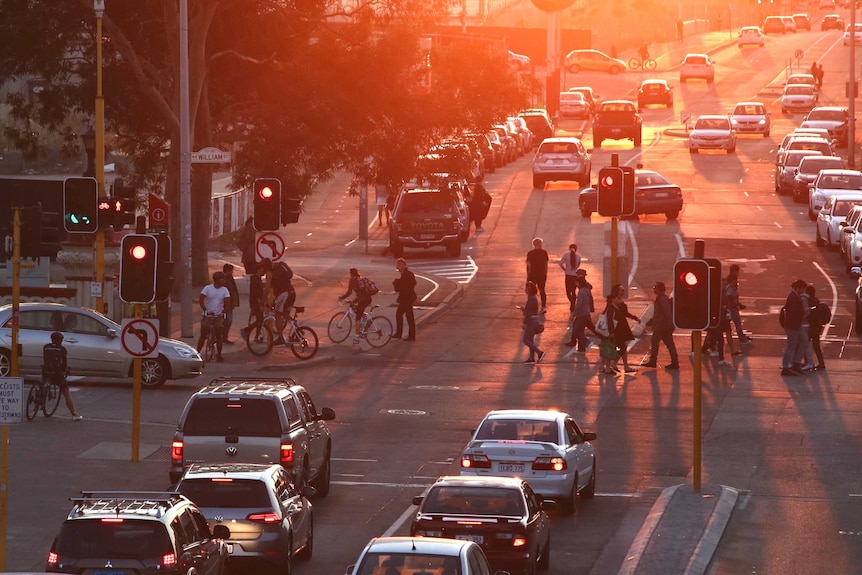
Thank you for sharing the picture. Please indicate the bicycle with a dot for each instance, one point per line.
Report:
(376, 329)
(210, 347)
(44, 395)
(647, 64)
(301, 339)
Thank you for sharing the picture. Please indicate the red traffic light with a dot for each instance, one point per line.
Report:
(690, 279)
(266, 193)
(138, 252)
(608, 181)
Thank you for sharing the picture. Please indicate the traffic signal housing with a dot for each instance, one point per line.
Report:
(116, 212)
(267, 204)
(291, 205)
(609, 194)
(138, 265)
(691, 294)
(80, 205)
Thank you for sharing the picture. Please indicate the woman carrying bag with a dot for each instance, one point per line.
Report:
(618, 315)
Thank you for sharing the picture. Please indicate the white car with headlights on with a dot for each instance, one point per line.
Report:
(750, 118)
(712, 133)
(830, 183)
(831, 217)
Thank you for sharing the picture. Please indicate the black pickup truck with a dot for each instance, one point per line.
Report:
(616, 120)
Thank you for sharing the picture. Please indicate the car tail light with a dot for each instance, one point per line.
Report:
(516, 539)
(287, 454)
(264, 517)
(519, 541)
(546, 463)
(470, 461)
(177, 453)
(169, 560)
(112, 520)
(53, 558)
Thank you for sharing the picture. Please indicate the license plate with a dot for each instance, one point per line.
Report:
(109, 572)
(229, 547)
(426, 236)
(478, 539)
(512, 467)
(615, 131)
(661, 194)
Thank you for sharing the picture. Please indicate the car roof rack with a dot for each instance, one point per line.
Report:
(152, 503)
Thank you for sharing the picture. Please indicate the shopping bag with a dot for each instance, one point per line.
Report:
(608, 349)
(602, 325)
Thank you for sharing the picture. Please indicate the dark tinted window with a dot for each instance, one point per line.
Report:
(474, 501)
(83, 538)
(226, 416)
(830, 115)
(233, 493)
(425, 202)
(814, 165)
(518, 430)
(558, 148)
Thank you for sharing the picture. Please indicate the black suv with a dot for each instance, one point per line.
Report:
(255, 420)
(426, 218)
(616, 120)
(137, 532)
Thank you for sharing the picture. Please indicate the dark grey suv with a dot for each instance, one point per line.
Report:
(270, 519)
(114, 532)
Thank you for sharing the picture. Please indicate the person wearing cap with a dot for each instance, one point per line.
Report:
(55, 368)
(570, 263)
(584, 305)
(662, 328)
(794, 314)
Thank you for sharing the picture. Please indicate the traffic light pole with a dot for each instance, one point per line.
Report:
(136, 395)
(615, 222)
(99, 249)
(697, 454)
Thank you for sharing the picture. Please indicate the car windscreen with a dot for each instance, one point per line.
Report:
(828, 115)
(558, 148)
(749, 110)
(232, 416)
(408, 564)
(117, 538)
(425, 202)
(843, 207)
(518, 430)
(712, 124)
(473, 500)
(799, 90)
(840, 181)
(814, 165)
(226, 492)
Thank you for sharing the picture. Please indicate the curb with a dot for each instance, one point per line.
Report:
(713, 531)
(635, 552)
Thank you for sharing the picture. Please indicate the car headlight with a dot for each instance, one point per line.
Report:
(185, 352)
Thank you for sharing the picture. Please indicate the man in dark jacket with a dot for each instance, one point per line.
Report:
(662, 328)
(794, 313)
(405, 287)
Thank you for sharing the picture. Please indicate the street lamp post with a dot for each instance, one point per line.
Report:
(99, 249)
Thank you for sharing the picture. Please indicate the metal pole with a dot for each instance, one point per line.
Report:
(185, 177)
(136, 395)
(697, 456)
(851, 91)
(99, 247)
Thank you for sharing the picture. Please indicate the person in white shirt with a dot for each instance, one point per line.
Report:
(214, 300)
(571, 263)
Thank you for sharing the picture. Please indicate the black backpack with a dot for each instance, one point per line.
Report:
(52, 360)
(281, 276)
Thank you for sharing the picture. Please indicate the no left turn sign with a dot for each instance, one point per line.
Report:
(269, 245)
(140, 337)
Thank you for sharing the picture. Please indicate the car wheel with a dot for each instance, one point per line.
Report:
(538, 182)
(811, 215)
(597, 142)
(5, 363)
(324, 478)
(692, 150)
(570, 503)
(637, 139)
(286, 566)
(154, 372)
(829, 244)
(585, 212)
(731, 149)
(544, 562)
(590, 490)
(818, 239)
(672, 214)
(615, 70)
(710, 80)
(307, 551)
(454, 249)
(396, 249)
(766, 134)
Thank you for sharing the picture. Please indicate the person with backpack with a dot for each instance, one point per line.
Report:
(364, 289)
(55, 368)
(283, 292)
(819, 316)
(793, 313)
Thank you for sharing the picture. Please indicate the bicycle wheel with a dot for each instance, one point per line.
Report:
(634, 63)
(52, 399)
(649, 64)
(210, 347)
(340, 327)
(379, 332)
(33, 402)
(303, 342)
(259, 340)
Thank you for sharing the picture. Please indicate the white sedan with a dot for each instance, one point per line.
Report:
(750, 35)
(712, 133)
(798, 97)
(831, 216)
(546, 448)
(830, 183)
(93, 344)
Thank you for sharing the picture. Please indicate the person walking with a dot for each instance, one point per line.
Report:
(804, 354)
(715, 335)
(662, 328)
(734, 307)
(480, 203)
(363, 300)
(531, 323)
(819, 76)
(381, 191)
(570, 263)
(584, 305)
(537, 269)
(55, 368)
(816, 321)
(405, 287)
(246, 244)
(214, 299)
(230, 284)
(793, 313)
(618, 315)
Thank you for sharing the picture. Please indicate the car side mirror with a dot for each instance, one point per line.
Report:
(589, 436)
(417, 499)
(221, 532)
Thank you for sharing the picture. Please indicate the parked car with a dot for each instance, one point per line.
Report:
(798, 98)
(539, 123)
(415, 555)
(806, 172)
(853, 35)
(853, 247)
(255, 420)
(546, 447)
(561, 159)
(126, 532)
(655, 91)
(523, 130)
(426, 218)
(500, 159)
(831, 217)
(489, 157)
(697, 66)
(785, 169)
(749, 35)
(510, 144)
(93, 344)
(858, 293)
(501, 514)
(817, 128)
(838, 117)
(773, 25)
(830, 182)
(270, 519)
(751, 118)
(654, 194)
(592, 61)
(712, 132)
(617, 120)
(832, 22)
(520, 62)
(590, 96)
(849, 229)
(573, 105)
(804, 142)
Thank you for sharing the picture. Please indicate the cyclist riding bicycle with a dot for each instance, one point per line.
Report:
(213, 300)
(362, 301)
(55, 369)
(280, 276)
(643, 52)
